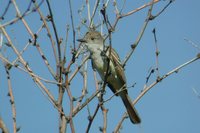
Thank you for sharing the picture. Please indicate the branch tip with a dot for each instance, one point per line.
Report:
(159, 79)
(133, 46)
(74, 99)
(18, 129)
(198, 55)
(151, 17)
(89, 117)
(154, 30)
(8, 94)
(8, 66)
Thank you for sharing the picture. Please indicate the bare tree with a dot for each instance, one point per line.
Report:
(56, 61)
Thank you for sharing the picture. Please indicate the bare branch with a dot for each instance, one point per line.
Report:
(117, 128)
(12, 100)
(78, 68)
(120, 16)
(140, 8)
(147, 88)
(105, 111)
(23, 20)
(157, 53)
(48, 32)
(72, 22)
(135, 44)
(30, 72)
(76, 110)
(91, 118)
(68, 66)
(94, 11)
(175, 70)
(192, 43)
(158, 14)
(3, 126)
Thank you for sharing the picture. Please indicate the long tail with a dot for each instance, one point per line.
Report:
(132, 112)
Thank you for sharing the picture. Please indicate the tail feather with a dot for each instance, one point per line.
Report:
(132, 112)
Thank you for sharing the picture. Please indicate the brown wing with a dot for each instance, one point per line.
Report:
(114, 58)
(117, 64)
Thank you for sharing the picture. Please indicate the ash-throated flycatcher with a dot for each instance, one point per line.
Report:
(114, 76)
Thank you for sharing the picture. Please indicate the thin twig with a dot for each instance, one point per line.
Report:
(23, 50)
(23, 20)
(157, 53)
(88, 11)
(116, 93)
(145, 90)
(35, 37)
(85, 85)
(135, 44)
(158, 14)
(95, 79)
(46, 61)
(3, 126)
(94, 11)
(103, 12)
(71, 110)
(6, 10)
(24, 70)
(192, 43)
(138, 9)
(12, 100)
(78, 68)
(65, 45)
(72, 22)
(165, 76)
(25, 64)
(59, 69)
(76, 110)
(55, 30)
(116, 8)
(117, 128)
(26, 13)
(105, 111)
(71, 100)
(91, 118)
(149, 75)
(59, 65)
(120, 16)
(48, 32)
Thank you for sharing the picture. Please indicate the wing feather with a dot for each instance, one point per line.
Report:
(117, 64)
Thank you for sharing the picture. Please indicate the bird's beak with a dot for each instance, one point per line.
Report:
(82, 40)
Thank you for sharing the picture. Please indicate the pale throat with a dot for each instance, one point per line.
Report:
(99, 62)
(96, 51)
(95, 48)
(97, 58)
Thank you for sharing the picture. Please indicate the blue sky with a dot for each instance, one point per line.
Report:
(171, 106)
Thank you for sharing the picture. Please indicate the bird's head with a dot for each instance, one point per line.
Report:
(92, 37)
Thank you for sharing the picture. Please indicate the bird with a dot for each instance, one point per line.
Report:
(107, 63)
